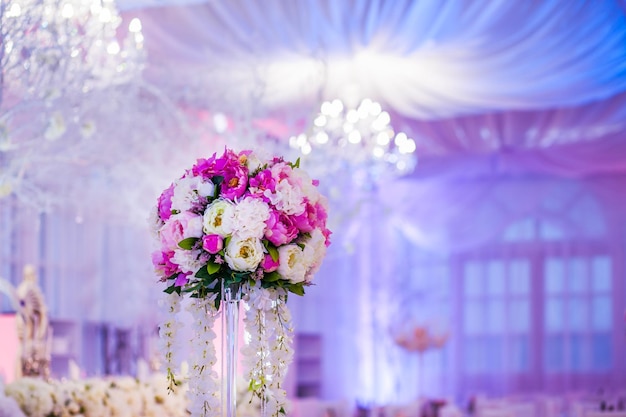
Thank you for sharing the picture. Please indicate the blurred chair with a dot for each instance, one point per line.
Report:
(496, 412)
(605, 414)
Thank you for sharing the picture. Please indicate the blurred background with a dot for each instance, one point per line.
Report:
(473, 154)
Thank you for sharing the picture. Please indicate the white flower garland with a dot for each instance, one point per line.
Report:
(269, 352)
(204, 386)
(281, 353)
(170, 344)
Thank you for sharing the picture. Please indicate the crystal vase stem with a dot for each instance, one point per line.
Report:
(231, 295)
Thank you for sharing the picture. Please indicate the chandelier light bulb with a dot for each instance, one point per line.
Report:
(359, 139)
(68, 11)
(320, 120)
(14, 11)
(135, 25)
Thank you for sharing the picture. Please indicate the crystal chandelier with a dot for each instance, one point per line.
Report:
(359, 140)
(57, 57)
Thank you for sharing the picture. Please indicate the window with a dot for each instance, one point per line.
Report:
(578, 319)
(496, 315)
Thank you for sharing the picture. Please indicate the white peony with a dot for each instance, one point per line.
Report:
(292, 263)
(188, 260)
(244, 254)
(287, 198)
(188, 190)
(250, 217)
(218, 218)
(308, 189)
(314, 252)
(255, 161)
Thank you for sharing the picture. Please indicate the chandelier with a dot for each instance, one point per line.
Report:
(357, 139)
(58, 60)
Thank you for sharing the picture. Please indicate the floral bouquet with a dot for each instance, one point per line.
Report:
(238, 222)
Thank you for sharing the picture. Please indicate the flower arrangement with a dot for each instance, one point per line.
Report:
(239, 222)
(111, 396)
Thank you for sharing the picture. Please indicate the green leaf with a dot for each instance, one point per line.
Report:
(272, 277)
(297, 289)
(188, 243)
(227, 240)
(218, 179)
(295, 164)
(300, 245)
(273, 252)
(203, 273)
(172, 288)
(212, 267)
(194, 288)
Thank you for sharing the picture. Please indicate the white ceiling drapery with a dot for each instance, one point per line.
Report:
(423, 59)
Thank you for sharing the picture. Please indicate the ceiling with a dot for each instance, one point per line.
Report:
(461, 77)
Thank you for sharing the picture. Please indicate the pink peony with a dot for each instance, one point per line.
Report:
(327, 234)
(165, 203)
(280, 229)
(231, 166)
(268, 264)
(163, 264)
(307, 220)
(261, 182)
(235, 180)
(179, 227)
(212, 243)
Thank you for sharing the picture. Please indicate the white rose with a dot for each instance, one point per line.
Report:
(250, 217)
(244, 254)
(292, 263)
(218, 218)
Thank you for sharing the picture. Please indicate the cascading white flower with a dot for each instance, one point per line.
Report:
(269, 353)
(168, 331)
(204, 386)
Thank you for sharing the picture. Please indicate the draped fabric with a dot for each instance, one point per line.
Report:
(424, 59)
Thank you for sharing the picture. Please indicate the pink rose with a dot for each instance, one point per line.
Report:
(268, 264)
(280, 229)
(212, 243)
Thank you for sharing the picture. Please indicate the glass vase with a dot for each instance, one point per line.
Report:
(231, 297)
